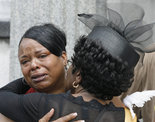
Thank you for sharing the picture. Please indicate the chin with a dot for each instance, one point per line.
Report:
(41, 90)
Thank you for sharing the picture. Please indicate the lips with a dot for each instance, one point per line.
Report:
(38, 77)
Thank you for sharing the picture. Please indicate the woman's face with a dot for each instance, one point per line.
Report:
(42, 70)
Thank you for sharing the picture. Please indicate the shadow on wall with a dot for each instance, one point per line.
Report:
(4, 41)
(4, 62)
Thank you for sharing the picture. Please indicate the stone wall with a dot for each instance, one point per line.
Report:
(26, 13)
(4, 62)
(4, 41)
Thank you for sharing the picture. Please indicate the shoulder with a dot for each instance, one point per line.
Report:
(40, 97)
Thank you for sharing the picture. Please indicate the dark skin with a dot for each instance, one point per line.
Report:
(66, 118)
(34, 63)
(31, 62)
(42, 70)
(78, 92)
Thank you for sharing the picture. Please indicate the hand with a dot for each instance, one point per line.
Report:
(4, 118)
(66, 118)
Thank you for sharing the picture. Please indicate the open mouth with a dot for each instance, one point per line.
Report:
(38, 77)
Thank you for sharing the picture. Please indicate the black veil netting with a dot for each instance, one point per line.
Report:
(122, 31)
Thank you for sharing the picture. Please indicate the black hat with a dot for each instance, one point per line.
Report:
(122, 41)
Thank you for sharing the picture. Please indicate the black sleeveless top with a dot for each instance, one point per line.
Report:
(31, 107)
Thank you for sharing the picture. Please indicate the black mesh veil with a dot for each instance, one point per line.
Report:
(127, 32)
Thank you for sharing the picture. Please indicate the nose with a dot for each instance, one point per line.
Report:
(34, 64)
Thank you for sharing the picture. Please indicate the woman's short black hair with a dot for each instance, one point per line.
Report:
(49, 36)
(102, 75)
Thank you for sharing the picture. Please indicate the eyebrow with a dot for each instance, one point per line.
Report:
(24, 56)
(36, 52)
(39, 51)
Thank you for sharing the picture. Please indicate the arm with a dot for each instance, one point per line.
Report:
(18, 86)
(26, 108)
(20, 108)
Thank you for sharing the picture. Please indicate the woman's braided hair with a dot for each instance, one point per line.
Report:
(102, 75)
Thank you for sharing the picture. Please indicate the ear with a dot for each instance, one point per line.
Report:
(64, 57)
(78, 77)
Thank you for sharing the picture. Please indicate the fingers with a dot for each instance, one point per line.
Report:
(66, 118)
(79, 121)
(4, 118)
(47, 116)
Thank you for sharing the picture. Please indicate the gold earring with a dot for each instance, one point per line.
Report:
(75, 86)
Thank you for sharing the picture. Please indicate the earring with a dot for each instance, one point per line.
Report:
(75, 86)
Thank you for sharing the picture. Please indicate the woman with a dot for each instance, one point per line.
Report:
(93, 87)
(42, 57)
(101, 69)
(52, 42)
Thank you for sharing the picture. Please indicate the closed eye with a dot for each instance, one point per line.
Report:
(43, 56)
(24, 62)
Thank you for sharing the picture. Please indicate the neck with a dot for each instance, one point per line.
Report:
(55, 89)
(88, 97)
(117, 102)
(80, 91)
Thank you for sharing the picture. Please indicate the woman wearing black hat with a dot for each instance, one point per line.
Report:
(102, 67)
